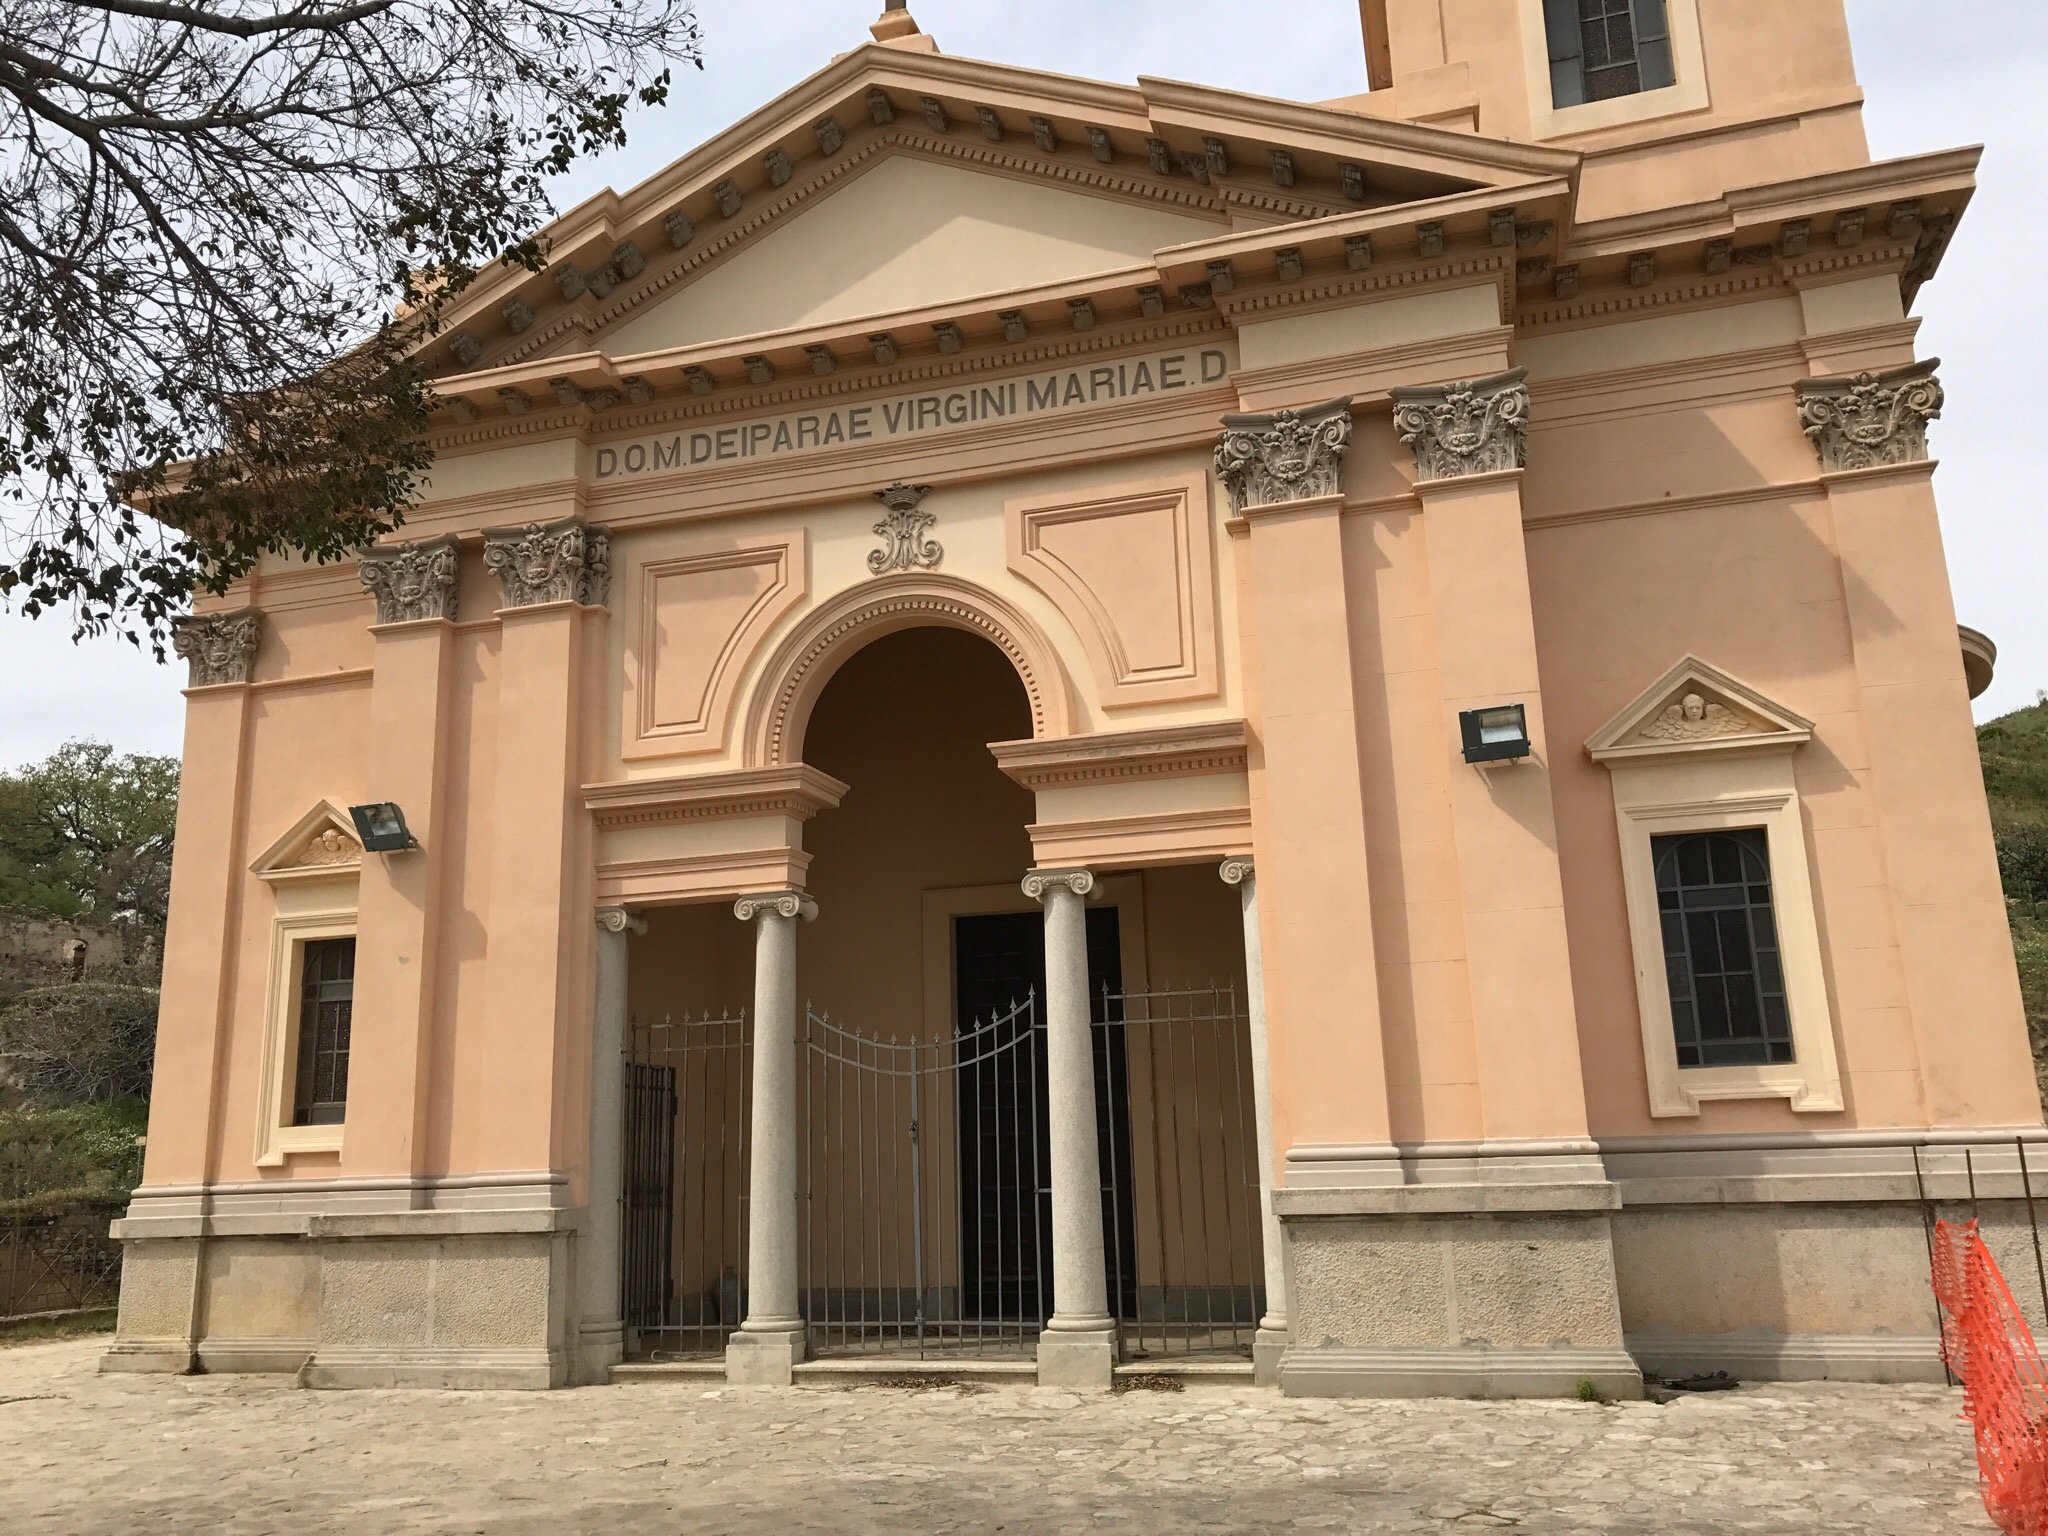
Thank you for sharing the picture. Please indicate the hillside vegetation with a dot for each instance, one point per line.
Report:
(2014, 751)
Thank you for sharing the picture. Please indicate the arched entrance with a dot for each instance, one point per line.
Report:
(922, 1075)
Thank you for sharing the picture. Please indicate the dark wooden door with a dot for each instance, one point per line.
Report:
(1005, 1156)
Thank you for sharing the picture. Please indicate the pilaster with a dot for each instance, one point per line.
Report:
(1468, 442)
(400, 900)
(555, 580)
(1870, 432)
(1328, 1067)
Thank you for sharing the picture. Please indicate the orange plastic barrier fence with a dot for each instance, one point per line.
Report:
(1989, 1347)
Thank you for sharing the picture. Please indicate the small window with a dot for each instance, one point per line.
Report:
(327, 988)
(1600, 49)
(1721, 956)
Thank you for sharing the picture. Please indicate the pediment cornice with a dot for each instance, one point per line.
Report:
(1236, 157)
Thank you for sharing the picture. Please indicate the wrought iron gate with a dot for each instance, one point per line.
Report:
(927, 1220)
(688, 1102)
(1185, 1273)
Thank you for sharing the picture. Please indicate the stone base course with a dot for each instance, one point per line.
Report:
(89, 1454)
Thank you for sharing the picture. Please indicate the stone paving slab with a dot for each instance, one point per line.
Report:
(85, 1454)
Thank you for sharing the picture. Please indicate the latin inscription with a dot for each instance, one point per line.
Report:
(1042, 394)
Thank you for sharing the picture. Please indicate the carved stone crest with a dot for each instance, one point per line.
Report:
(330, 845)
(1471, 428)
(217, 647)
(1695, 718)
(1871, 419)
(1285, 456)
(903, 531)
(559, 562)
(412, 581)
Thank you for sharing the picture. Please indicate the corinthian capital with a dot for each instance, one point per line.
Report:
(559, 562)
(1470, 428)
(412, 581)
(1285, 455)
(217, 647)
(1867, 419)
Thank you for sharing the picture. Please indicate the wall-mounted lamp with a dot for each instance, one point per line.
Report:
(382, 828)
(1494, 734)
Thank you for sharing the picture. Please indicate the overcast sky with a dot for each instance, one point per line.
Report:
(1977, 77)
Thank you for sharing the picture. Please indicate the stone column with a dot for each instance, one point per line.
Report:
(1271, 1342)
(1078, 1346)
(770, 1342)
(601, 1336)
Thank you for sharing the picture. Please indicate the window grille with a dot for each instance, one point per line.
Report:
(1600, 49)
(1721, 949)
(327, 986)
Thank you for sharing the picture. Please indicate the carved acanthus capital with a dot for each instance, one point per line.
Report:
(1038, 881)
(559, 562)
(903, 531)
(619, 920)
(1870, 419)
(788, 904)
(413, 581)
(217, 647)
(1284, 456)
(1237, 869)
(1471, 428)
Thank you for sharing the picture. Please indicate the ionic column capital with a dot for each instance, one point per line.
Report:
(619, 920)
(1237, 870)
(1472, 427)
(790, 904)
(1038, 881)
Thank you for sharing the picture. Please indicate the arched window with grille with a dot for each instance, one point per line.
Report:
(1721, 957)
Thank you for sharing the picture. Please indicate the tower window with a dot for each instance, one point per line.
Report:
(1600, 49)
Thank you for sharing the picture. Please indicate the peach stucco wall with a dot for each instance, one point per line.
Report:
(1447, 951)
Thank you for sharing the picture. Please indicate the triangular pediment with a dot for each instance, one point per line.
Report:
(896, 179)
(1697, 707)
(321, 844)
(906, 231)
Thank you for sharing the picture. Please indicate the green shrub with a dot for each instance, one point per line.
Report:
(51, 1158)
(90, 1042)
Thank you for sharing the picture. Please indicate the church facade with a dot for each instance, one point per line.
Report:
(1040, 727)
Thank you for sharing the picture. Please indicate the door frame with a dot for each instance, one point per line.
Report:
(1125, 891)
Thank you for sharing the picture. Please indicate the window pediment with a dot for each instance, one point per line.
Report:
(320, 845)
(1696, 707)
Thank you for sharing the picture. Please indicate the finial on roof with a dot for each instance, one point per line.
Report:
(898, 27)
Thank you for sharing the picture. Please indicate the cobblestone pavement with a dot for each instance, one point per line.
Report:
(83, 1454)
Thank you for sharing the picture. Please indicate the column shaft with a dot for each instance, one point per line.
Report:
(1272, 1337)
(771, 1340)
(1078, 1347)
(598, 1277)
